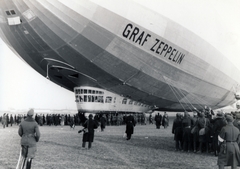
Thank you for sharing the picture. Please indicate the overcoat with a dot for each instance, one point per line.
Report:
(90, 125)
(177, 129)
(103, 122)
(218, 124)
(158, 119)
(231, 157)
(29, 131)
(165, 120)
(201, 123)
(130, 123)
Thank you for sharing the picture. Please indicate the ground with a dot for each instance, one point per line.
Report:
(60, 148)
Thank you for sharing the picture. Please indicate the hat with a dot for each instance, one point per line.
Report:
(90, 116)
(229, 118)
(238, 116)
(219, 114)
(201, 115)
(30, 112)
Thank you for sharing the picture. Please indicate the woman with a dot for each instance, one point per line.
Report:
(165, 120)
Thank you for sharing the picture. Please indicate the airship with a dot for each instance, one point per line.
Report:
(118, 55)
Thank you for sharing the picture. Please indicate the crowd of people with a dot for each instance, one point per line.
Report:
(204, 132)
(207, 133)
(110, 119)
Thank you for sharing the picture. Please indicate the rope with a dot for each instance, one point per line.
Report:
(178, 92)
(184, 97)
(176, 97)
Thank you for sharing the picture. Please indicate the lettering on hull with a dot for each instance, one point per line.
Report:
(159, 47)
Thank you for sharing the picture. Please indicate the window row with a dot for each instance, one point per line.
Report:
(88, 91)
(89, 98)
(108, 99)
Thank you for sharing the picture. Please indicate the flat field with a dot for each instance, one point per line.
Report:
(60, 148)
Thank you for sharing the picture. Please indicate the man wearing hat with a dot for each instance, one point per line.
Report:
(218, 123)
(229, 137)
(30, 134)
(88, 135)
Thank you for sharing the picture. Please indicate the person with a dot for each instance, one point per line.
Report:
(11, 120)
(229, 138)
(130, 124)
(236, 122)
(7, 120)
(4, 120)
(187, 124)
(62, 120)
(177, 131)
(103, 122)
(30, 135)
(194, 132)
(158, 119)
(165, 120)
(150, 119)
(88, 135)
(72, 122)
(218, 123)
(203, 123)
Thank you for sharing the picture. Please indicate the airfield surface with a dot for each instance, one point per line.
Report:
(60, 148)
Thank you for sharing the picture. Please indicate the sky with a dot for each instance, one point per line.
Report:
(21, 87)
(216, 21)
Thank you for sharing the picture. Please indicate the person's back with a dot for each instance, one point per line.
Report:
(30, 134)
(229, 154)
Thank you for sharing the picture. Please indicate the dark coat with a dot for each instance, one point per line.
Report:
(130, 123)
(187, 123)
(177, 129)
(232, 155)
(218, 124)
(29, 131)
(90, 125)
(158, 119)
(236, 123)
(103, 122)
(201, 123)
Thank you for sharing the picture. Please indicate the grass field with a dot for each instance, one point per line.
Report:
(59, 148)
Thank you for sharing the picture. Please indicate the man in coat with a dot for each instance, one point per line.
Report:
(229, 137)
(177, 131)
(130, 124)
(103, 122)
(158, 120)
(187, 124)
(88, 135)
(30, 134)
(218, 123)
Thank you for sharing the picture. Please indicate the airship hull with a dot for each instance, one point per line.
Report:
(134, 52)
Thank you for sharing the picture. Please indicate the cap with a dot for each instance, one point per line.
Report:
(229, 118)
(201, 115)
(30, 112)
(219, 114)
